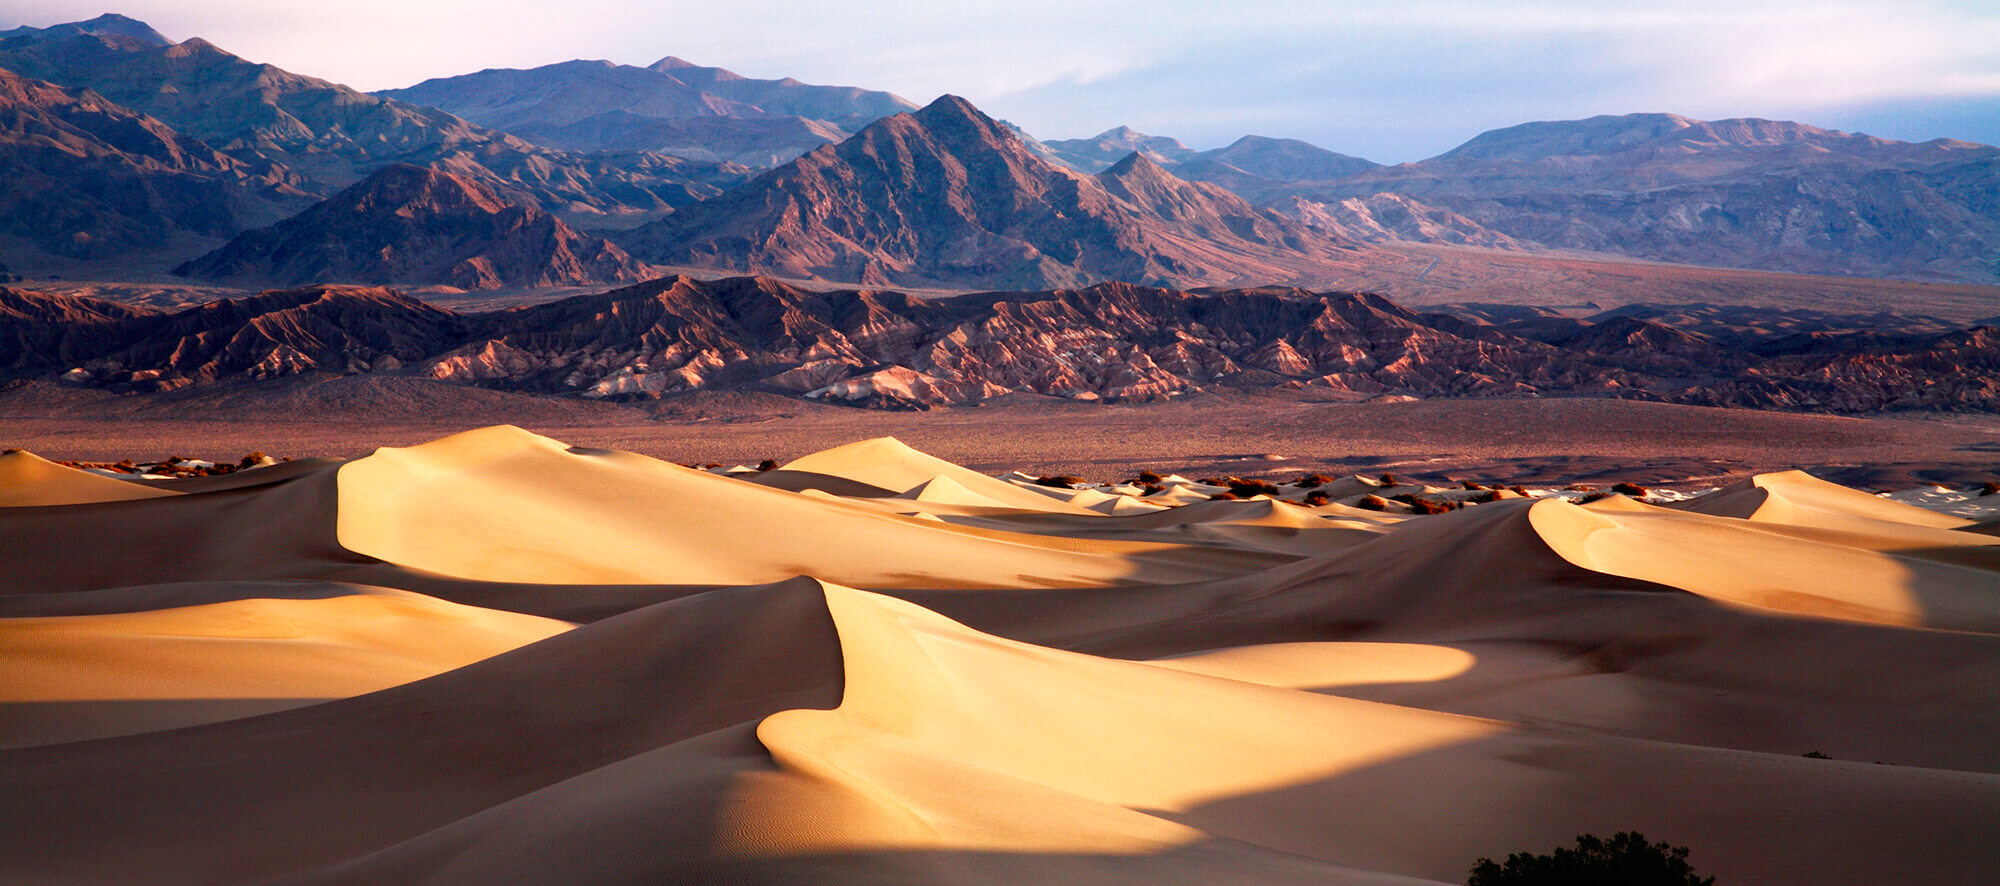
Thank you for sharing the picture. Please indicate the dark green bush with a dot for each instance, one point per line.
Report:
(1251, 488)
(1624, 860)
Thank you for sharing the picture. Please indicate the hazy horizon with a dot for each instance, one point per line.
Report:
(1391, 86)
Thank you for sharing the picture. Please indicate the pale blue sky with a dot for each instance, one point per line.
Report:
(1390, 81)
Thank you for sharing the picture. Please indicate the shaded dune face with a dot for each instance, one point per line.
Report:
(496, 657)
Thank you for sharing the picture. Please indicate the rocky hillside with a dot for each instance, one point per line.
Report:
(83, 177)
(322, 329)
(1745, 193)
(1109, 342)
(946, 195)
(412, 225)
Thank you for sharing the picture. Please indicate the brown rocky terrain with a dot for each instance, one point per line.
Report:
(274, 334)
(947, 195)
(38, 331)
(412, 225)
(1108, 343)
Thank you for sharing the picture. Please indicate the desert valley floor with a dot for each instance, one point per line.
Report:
(499, 656)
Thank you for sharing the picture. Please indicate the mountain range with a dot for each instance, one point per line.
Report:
(327, 135)
(416, 225)
(947, 195)
(128, 154)
(671, 106)
(1112, 341)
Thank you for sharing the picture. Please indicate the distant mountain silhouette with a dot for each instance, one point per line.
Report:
(1099, 152)
(946, 195)
(109, 24)
(672, 106)
(328, 134)
(1749, 193)
(413, 225)
(1254, 165)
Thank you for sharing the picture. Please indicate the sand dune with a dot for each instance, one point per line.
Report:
(875, 666)
(67, 678)
(612, 517)
(28, 480)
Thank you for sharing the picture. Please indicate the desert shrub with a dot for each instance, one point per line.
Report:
(1624, 860)
(1595, 496)
(712, 465)
(1250, 488)
(1426, 506)
(1372, 503)
(1519, 488)
(1312, 481)
(1063, 481)
(1408, 498)
(769, 464)
(1580, 487)
(1151, 489)
(1632, 489)
(1817, 755)
(1213, 481)
(251, 458)
(1485, 496)
(1991, 488)
(1391, 480)
(1150, 478)
(1223, 496)
(1474, 485)
(1317, 498)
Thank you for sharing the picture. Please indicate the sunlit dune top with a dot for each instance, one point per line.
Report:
(29, 480)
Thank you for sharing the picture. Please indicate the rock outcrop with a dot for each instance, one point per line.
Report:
(336, 330)
(890, 350)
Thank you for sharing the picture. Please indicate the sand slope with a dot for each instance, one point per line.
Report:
(28, 480)
(67, 678)
(344, 673)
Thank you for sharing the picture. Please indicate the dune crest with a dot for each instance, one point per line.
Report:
(28, 480)
(874, 669)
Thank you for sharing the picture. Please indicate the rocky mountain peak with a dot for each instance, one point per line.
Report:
(110, 24)
(408, 190)
(408, 224)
